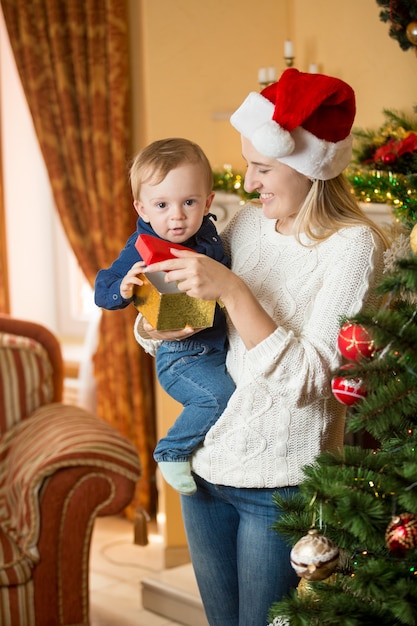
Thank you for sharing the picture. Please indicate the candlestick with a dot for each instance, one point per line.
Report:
(288, 49)
(262, 76)
(313, 68)
(266, 76)
(288, 53)
(271, 74)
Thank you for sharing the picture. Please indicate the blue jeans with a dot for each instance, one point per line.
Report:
(242, 566)
(195, 375)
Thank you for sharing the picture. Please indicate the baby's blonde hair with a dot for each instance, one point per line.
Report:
(155, 161)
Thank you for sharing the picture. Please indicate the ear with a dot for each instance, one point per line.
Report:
(141, 211)
(209, 202)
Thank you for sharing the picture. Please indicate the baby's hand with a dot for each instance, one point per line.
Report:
(131, 280)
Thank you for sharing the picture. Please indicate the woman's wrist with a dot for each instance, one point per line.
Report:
(247, 315)
(235, 291)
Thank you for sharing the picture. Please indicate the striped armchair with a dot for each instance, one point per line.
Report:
(60, 468)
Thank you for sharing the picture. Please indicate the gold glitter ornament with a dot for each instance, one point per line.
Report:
(314, 557)
(306, 589)
(413, 239)
(411, 33)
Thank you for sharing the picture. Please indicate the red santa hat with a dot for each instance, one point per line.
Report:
(303, 120)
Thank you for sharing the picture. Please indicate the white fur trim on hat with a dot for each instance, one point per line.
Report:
(253, 119)
(317, 158)
(300, 149)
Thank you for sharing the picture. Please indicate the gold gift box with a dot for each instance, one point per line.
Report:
(165, 307)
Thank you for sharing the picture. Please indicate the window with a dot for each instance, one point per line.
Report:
(45, 282)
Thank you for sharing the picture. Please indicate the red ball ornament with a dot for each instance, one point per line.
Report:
(354, 342)
(348, 390)
(401, 534)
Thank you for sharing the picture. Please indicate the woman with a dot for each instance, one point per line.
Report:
(300, 264)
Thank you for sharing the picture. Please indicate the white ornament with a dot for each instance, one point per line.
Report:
(314, 557)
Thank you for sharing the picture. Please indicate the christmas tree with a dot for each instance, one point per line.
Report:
(358, 566)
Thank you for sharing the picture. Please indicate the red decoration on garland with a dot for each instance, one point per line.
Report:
(396, 148)
(346, 389)
(355, 342)
(401, 534)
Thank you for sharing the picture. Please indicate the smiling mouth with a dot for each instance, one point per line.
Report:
(265, 196)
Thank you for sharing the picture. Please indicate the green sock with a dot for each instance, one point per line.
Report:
(178, 475)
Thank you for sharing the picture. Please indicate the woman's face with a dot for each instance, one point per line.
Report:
(282, 190)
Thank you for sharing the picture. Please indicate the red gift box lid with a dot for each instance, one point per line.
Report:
(153, 250)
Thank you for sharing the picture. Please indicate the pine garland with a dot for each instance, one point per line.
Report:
(397, 190)
(231, 182)
(386, 165)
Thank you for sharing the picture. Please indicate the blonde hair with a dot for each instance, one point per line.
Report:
(329, 206)
(155, 161)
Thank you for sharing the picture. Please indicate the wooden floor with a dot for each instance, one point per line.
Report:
(128, 585)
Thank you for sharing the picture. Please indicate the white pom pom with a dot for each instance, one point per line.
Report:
(271, 140)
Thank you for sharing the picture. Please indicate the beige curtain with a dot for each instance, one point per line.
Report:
(73, 61)
(4, 284)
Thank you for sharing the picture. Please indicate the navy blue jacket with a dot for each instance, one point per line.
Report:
(205, 241)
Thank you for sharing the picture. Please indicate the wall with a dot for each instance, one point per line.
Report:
(202, 58)
(349, 40)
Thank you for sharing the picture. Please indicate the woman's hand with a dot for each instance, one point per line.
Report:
(131, 280)
(196, 274)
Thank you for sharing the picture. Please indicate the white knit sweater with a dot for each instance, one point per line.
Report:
(283, 413)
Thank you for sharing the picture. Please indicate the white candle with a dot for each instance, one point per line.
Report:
(288, 49)
(262, 75)
(271, 74)
(313, 68)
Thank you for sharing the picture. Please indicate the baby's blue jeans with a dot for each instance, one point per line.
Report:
(195, 375)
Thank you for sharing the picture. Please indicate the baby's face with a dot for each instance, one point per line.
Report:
(175, 207)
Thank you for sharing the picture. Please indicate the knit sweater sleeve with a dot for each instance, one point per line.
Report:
(333, 281)
(142, 337)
